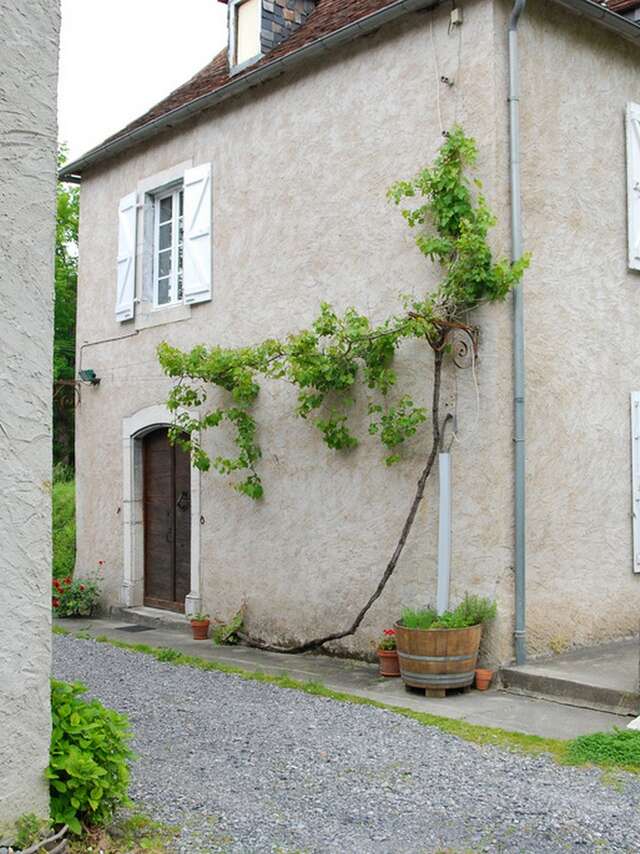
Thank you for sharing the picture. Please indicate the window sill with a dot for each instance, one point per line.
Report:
(147, 316)
(247, 63)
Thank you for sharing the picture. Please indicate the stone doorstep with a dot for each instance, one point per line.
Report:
(152, 617)
(579, 694)
(603, 677)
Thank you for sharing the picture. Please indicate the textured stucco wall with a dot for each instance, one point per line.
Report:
(582, 314)
(300, 170)
(28, 73)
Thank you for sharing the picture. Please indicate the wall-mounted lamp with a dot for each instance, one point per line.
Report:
(89, 376)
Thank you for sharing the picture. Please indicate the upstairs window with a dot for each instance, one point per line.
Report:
(248, 22)
(165, 243)
(168, 247)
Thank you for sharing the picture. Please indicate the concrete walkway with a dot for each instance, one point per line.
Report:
(491, 708)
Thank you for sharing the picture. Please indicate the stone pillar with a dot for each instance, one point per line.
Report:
(29, 31)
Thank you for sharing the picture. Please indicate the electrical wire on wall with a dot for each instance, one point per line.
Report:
(458, 94)
(86, 344)
(438, 80)
(451, 82)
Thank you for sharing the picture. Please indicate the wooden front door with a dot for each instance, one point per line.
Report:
(167, 522)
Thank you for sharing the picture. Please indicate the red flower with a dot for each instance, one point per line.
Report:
(100, 563)
(67, 580)
(56, 584)
(390, 632)
(82, 587)
(55, 602)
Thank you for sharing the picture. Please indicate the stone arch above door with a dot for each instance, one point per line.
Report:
(134, 428)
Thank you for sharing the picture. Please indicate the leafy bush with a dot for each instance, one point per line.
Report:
(63, 502)
(75, 597)
(472, 611)
(88, 772)
(620, 747)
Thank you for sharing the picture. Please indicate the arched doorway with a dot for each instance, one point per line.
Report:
(135, 428)
(166, 498)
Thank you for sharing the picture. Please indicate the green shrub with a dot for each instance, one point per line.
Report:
(620, 747)
(472, 611)
(63, 528)
(228, 633)
(88, 772)
(62, 473)
(422, 618)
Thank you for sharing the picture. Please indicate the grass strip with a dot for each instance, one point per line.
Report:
(617, 750)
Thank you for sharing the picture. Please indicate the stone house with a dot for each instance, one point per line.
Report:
(277, 155)
(28, 145)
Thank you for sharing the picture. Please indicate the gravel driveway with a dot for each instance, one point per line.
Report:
(248, 767)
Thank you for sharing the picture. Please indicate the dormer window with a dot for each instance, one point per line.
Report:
(245, 24)
(257, 26)
(248, 16)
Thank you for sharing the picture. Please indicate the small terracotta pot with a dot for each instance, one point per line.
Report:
(200, 629)
(389, 662)
(483, 678)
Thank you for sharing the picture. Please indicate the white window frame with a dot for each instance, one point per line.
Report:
(234, 7)
(172, 192)
(633, 184)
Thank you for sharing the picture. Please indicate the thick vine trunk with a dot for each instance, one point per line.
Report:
(307, 646)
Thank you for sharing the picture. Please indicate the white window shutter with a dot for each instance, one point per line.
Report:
(633, 183)
(127, 217)
(197, 234)
(635, 477)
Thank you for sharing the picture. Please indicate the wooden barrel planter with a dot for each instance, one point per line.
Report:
(438, 659)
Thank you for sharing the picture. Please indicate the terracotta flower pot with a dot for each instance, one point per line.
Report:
(388, 661)
(483, 678)
(200, 629)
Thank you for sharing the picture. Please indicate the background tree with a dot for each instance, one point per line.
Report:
(64, 342)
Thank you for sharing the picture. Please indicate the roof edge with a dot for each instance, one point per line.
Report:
(593, 10)
(72, 172)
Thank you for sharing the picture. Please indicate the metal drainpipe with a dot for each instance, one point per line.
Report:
(518, 335)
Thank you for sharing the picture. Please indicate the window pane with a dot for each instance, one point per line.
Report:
(181, 202)
(166, 209)
(165, 236)
(248, 30)
(164, 291)
(164, 263)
